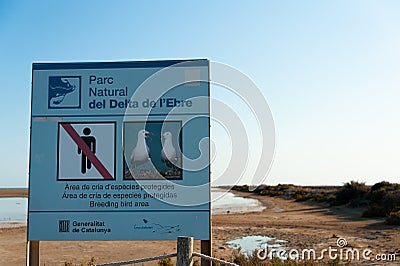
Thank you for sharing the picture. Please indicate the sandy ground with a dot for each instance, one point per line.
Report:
(304, 225)
(309, 225)
(13, 193)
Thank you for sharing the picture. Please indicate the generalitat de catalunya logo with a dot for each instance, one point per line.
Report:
(64, 92)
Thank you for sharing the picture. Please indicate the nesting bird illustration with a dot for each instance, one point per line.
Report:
(152, 159)
(168, 152)
(141, 152)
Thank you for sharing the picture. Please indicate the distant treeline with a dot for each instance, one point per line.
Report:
(379, 200)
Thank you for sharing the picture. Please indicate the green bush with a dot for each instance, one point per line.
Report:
(380, 185)
(323, 197)
(91, 262)
(385, 198)
(165, 262)
(393, 218)
(350, 192)
(271, 193)
(374, 210)
(283, 187)
(301, 195)
(381, 189)
(391, 201)
(381, 199)
(243, 188)
(260, 189)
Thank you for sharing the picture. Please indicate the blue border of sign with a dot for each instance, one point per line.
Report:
(116, 65)
(120, 64)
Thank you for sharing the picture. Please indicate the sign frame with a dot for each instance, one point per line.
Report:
(46, 118)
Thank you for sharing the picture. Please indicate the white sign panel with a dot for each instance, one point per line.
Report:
(99, 141)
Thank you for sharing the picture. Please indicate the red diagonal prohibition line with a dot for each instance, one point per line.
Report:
(86, 150)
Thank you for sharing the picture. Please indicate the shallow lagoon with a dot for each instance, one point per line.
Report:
(15, 209)
(227, 202)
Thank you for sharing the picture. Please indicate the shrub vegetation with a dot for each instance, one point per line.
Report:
(380, 200)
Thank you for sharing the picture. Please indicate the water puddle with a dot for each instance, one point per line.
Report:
(248, 244)
(227, 202)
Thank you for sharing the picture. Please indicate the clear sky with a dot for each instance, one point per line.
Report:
(330, 71)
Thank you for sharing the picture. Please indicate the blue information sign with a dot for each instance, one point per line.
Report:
(120, 151)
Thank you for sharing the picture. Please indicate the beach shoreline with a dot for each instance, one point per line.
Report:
(302, 224)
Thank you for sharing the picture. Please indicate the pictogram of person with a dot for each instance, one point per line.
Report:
(91, 143)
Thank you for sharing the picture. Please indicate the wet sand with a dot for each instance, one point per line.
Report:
(304, 225)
